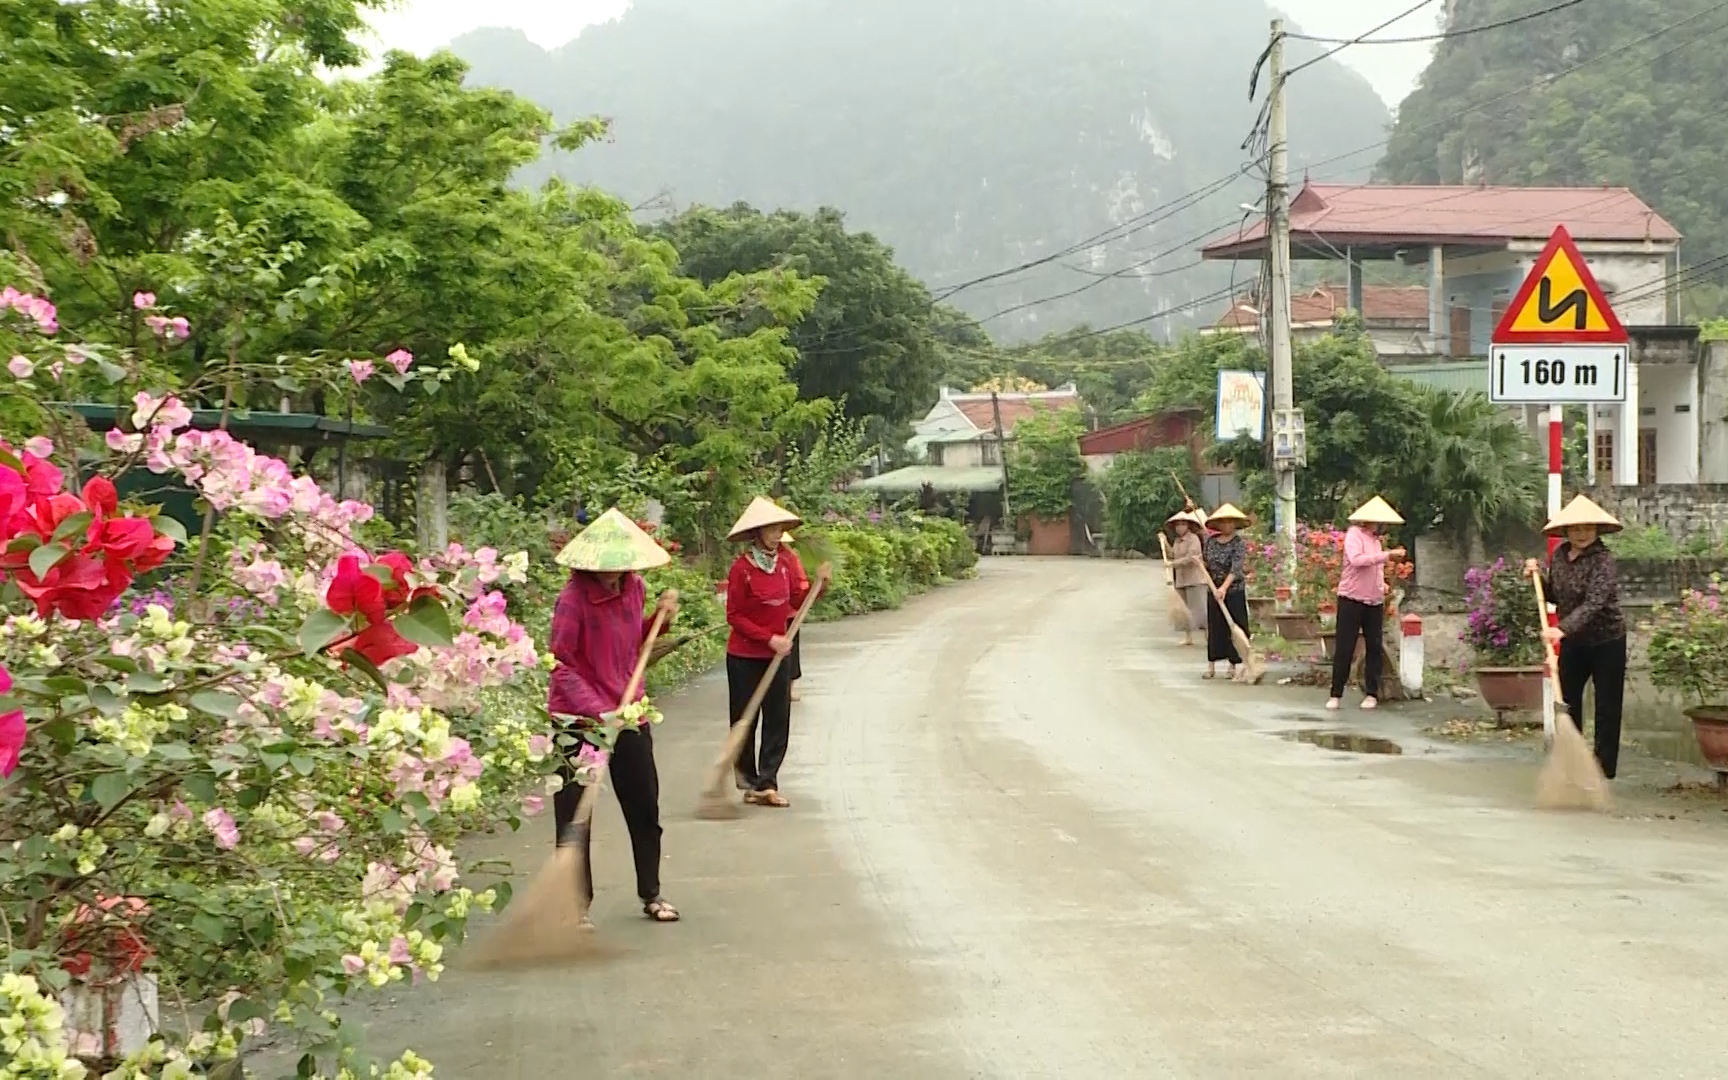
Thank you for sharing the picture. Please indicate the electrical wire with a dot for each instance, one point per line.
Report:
(1329, 53)
(1447, 35)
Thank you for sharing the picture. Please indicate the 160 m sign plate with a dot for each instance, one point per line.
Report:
(1561, 374)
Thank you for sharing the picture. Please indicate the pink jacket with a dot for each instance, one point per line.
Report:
(1364, 576)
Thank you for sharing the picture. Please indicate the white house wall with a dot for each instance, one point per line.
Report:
(1663, 389)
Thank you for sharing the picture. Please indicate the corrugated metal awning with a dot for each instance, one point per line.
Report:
(916, 478)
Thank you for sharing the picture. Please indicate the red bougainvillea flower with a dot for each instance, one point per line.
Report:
(354, 590)
(11, 729)
(396, 593)
(380, 643)
(100, 497)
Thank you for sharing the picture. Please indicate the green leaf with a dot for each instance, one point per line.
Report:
(171, 528)
(202, 787)
(110, 788)
(241, 1010)
(304, 764)
(212, 927)
(74, 525)
(121, 664)
(425, 623)
(393, 821)
(10, 460)
(108, 699)
(45, 558)
(145, 682)
(382, 574)
(320, 629)
(111, 372)
(23, 542)
(217, 703)
(174, 751)
(288, 383)
(273, 760)
(365, 667)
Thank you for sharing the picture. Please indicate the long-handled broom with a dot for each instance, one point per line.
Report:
(714, 804)
(1571, 778)
(1181, 619)
(547, 925)
(1253, 668)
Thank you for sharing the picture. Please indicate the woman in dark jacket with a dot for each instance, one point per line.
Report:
(1226, 557)
(1583, 583)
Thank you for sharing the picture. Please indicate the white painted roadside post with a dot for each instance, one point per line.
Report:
(1559, 344)
(1410, 654)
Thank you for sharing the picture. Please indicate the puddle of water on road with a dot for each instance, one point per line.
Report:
(1346, 741)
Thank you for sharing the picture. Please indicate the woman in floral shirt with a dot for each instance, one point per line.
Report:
(1226, 557)
(1582, 581)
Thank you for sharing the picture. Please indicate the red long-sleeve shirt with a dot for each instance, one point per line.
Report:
(596, 637)
(760, 605)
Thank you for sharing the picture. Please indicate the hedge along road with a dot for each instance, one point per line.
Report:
(1027, 841)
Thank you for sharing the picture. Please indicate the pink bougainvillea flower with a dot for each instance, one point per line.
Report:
(41, 446)
(352, 964)
(143, 300)
(360, 370)
(533, 805)
(178, 327)
(401, 360)
(222, 827)
(12, 730)
(21, 367)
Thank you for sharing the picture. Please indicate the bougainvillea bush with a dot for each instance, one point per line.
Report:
(1502, 627)
(246, 778)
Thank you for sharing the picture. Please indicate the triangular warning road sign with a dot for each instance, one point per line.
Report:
(1560, 303)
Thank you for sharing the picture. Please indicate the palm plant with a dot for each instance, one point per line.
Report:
(1482, 472)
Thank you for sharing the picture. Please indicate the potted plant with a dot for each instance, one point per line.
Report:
(1264, 576)
(1689, 655)
(1504, 632)
(1319, 559)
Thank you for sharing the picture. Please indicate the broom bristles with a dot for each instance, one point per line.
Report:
(1571, 778)
(543, 925)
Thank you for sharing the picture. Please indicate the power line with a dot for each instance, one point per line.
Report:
(1443, 36)
(1329, 53)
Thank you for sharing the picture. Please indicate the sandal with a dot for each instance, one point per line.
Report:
(660, 911)
(772, 798)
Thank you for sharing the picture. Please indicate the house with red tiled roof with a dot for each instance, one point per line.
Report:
(1477, 244)
(1395, 316)
(957, 440)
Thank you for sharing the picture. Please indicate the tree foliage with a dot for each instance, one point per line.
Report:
(1141, 490)
(1044, 462)
(867, 340)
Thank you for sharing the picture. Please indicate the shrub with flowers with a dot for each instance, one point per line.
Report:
(1689, 645)
(1501, 627)
(254, 774)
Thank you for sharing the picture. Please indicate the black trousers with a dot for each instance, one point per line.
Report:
(1219, 646)
(760, 768)
(1369, 621)
(792, 660)
(637, 782)
(1603, 663)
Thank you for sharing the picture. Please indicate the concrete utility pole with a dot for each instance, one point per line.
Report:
(1278, 239)
(1001, 453)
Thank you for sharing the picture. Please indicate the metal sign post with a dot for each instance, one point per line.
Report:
(1559, 343)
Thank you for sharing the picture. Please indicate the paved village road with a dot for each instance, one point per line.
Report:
(1027, 841)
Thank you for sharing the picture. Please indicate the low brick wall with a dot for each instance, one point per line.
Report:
(1682, 509)
(1650, 581)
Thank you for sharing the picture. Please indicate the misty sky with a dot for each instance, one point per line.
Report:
(421, 26)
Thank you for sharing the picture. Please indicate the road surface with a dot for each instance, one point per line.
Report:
(1028, 841)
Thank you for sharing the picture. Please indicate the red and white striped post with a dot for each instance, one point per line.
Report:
(1556, 464)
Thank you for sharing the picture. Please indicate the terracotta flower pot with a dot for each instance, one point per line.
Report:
(1297, 626)
(1506, 689)
(1283, 592)
(1329, 645)
(1710, 726)
(1261, 609)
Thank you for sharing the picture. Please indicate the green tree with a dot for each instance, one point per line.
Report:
(1480, 473)
(869, 338)
(1044, 463)
(1141, 490)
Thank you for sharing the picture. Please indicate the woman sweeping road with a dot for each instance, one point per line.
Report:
(1188, 568)
(1362, 600)
(598, 628)
(1226, 557)
(1582, 581)
(763, 592)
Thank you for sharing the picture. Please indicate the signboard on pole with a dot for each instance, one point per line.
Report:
(1560, 342)
(1241, 405)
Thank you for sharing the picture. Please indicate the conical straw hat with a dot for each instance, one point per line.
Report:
(761, 513)
(1376, 511)
(1180, 515)
(1581, 511)
(612, 544)
(1228, 512)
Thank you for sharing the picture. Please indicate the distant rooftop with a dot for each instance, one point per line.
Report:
(1383, 305)
(1378, 219)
